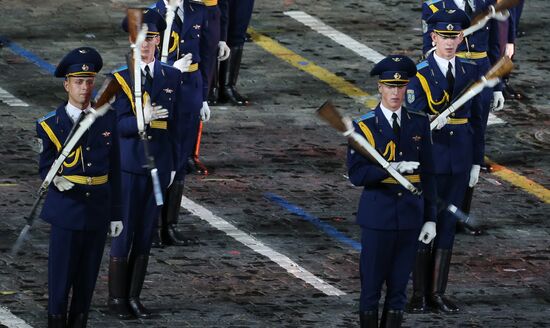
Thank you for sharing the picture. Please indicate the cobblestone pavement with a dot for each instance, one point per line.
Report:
(278, 146)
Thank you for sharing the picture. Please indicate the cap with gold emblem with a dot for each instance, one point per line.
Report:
(394, 70)
(154, 21)
(448, 22)
(81, 62)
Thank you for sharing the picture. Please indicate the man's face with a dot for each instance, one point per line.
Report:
(445, 46)
(80, 90)
(392, 96)
(148, 48)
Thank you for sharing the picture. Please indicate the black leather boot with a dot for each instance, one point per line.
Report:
(391, 319)
(213, 92)
(139, 270)
(170, 214)
(78, 320)
(229, 74)
(118, 295)
(466, 205)
(422, 264)
(57, 321)
(157, 241)
(437, 298)
(369, 319)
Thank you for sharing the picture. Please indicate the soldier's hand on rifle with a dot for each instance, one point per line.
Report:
(440, 120)
(62, 184)
(498, 101)
(474, 175)
(205, 112)
(184, 62)
(405, 167)
(223, 51)
(152, 112)
(428, 232)
(116, 228)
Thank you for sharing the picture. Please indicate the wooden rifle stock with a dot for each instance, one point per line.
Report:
(499, 6)
(501, 69)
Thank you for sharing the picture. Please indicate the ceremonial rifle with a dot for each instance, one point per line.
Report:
(330, 114)
(138, 32)
(502, 68)
(108, 90)
(170, 15)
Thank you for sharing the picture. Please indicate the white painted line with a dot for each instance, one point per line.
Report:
(9, 320)
(339, 37)
(10, 99)
(259, 247)
(353, 45)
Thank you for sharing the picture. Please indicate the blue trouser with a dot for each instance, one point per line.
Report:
(386, 256)
(73, 262)
(208, 57)
(240, 13)
(191, 93)
(139, 215)
(451, 190)
(486, 94)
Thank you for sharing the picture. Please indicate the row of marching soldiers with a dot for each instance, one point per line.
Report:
(402, 232)
(108, 184)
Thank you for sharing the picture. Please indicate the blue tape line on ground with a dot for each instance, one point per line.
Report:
(17, 49)
(323, 226)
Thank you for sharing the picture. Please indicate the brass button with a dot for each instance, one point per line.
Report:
(87, 194)
(451, 133)
(89, 180)
(88, 148)
(399, 194)
(149, 137)
(473, 46)
(400, 153)
(89, 164)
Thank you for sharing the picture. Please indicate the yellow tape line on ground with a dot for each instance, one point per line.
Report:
(352, 91)
(309, 67)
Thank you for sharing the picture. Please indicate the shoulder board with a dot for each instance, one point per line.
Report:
(47, 116)
(118, 69)
(431, 2)
(410, 111)
(467, 61)
(365, 117)
(421, 65)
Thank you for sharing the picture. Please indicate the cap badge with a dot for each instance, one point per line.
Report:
(451, 11)
(396, 59)
(450, 27)
(397, 76)
(85, 68)
(83, 51)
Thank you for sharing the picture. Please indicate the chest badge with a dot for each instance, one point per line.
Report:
(168, 90)
(417, 138)
(197, 27)
(106, 134)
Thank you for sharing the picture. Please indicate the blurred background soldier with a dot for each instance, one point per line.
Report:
(392, 219)
(458, 143)
(130, 251)
(84, 198)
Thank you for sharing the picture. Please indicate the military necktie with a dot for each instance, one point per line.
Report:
(450, 79)
(148, 84)
(179, 16)
(468, 8)
(396, 127)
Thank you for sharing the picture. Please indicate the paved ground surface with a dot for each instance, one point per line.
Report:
(278, 146)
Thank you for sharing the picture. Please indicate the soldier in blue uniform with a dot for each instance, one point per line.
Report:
(161, 85)
(392, 219)
(236, 15)
(84, 199)
(458, 143)
(187, 41)
(482, 47)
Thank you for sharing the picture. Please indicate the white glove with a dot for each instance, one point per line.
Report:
(404, 167)
(116, 228)
(184, 62)
(223, 51)
(427, 234)
(205, 112)
(510, 50)
(62, 184)
(474, 175)
(498, 101)
(441, 122)
(172, 176)
(152, 112)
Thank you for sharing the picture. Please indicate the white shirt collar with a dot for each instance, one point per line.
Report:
(461, 4)
(151, 67)
(443, 64)
(74, 112)
(388, 113)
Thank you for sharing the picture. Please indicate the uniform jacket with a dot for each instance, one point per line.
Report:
(189, 37)
(485, 39)
(456, 146)
(84, 207)
(389, 206)
(162, 143)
